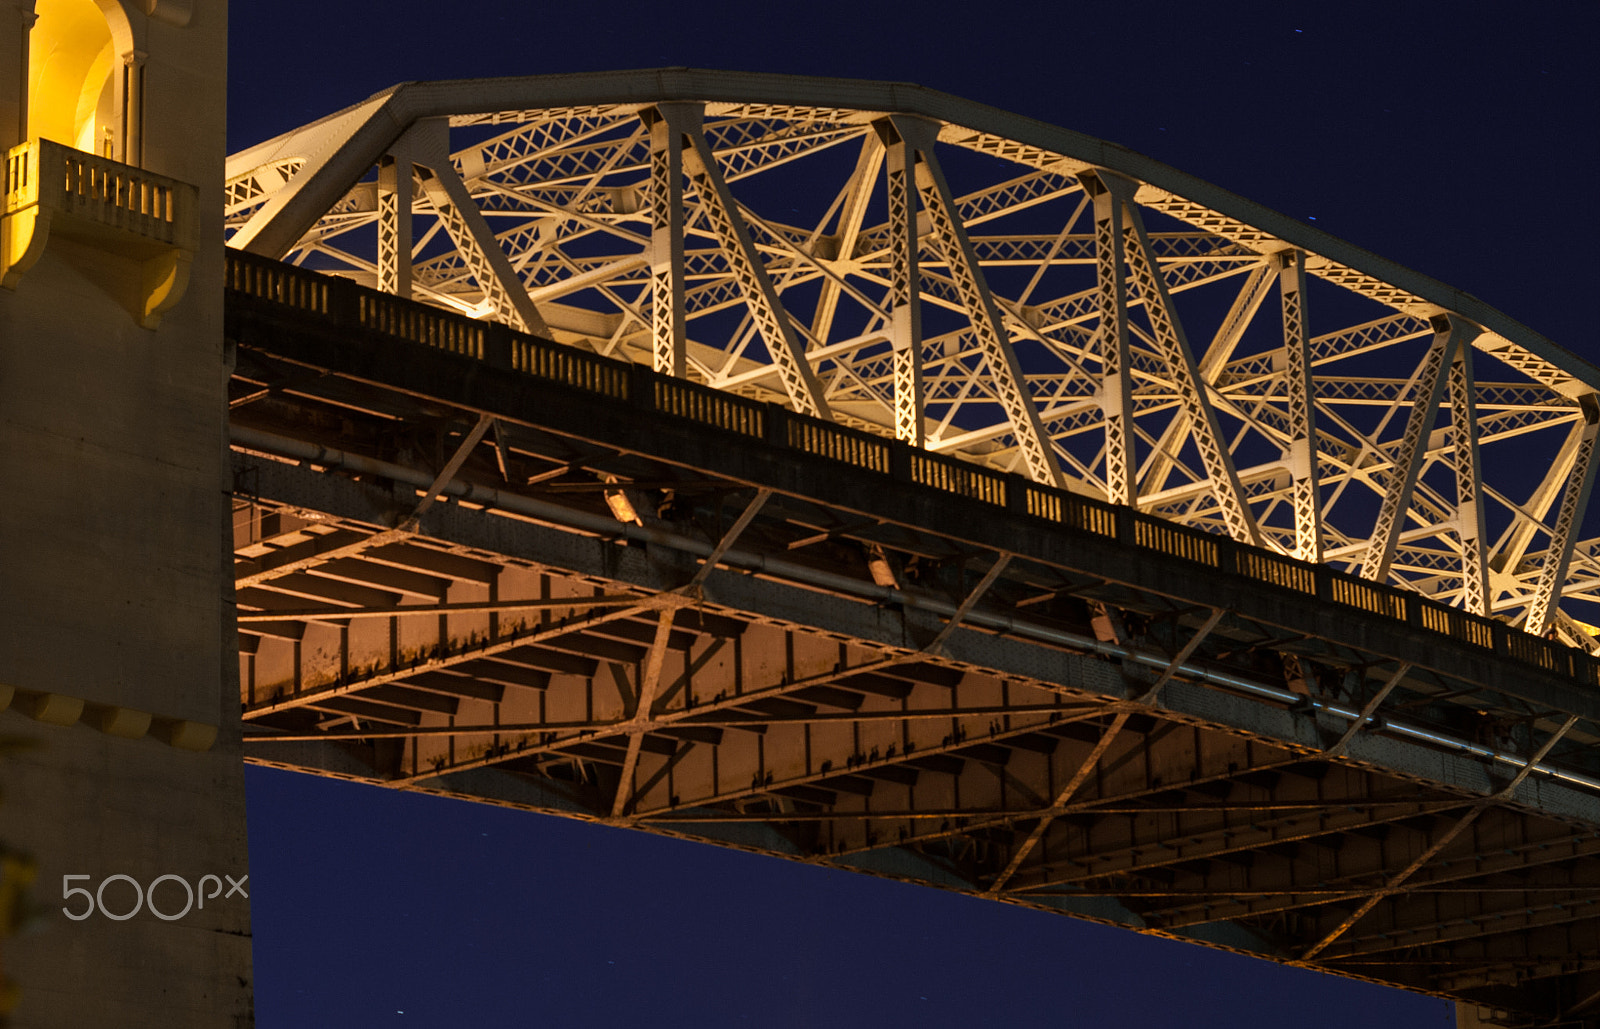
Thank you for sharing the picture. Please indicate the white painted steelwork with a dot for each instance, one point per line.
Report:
(980, 284)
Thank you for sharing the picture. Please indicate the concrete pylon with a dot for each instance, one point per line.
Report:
(118, 667)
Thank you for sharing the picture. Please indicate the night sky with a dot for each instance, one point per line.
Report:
(1458, 140)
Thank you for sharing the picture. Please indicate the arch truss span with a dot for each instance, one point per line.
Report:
(981, 285)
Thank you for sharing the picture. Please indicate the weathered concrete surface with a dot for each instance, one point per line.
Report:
(89, 804)
(113, 580)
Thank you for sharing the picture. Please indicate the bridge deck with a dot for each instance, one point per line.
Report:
(823, 644)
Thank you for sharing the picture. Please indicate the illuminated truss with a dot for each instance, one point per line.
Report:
(1017, 295)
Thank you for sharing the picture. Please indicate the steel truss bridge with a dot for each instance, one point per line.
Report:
(851, 473)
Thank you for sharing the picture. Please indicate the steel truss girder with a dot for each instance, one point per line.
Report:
(566, 188)
(1169, 335)
(566, 197)
(799, 380)
(429, 382)
(1006, 374)
(479, 249)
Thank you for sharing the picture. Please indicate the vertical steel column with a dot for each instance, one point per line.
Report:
(1469, 476)
(1109, 193)
(1302, 450)
(395, 181)
(668, 314)
(905, 287)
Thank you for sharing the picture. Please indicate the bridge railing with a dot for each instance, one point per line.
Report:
(566, 365)
(708, 406)
(281, 283)
(349, 305)
(100, 192)
(421, 324)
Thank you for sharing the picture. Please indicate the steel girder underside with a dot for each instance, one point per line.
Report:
(620, 616)
(518, 588)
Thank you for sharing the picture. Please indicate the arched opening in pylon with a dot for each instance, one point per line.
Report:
(74, 53)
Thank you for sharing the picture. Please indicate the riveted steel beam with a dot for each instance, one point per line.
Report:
(1470, 500)
(1110, 195)
(668, 317)
(1301, 452)
(395, 175)
(1427, 386)
(905, 286)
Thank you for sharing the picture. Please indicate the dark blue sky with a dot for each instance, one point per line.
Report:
(377, 908)
(1457, 140)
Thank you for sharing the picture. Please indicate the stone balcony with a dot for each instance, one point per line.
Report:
(55, 191)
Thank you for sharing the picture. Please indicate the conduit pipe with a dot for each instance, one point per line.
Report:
(274, 445)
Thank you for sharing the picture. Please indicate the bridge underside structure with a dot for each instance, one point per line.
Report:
(850, 473)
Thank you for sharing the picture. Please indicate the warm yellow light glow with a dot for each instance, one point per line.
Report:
(622, 508)
(878, 565)
(70, 61)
